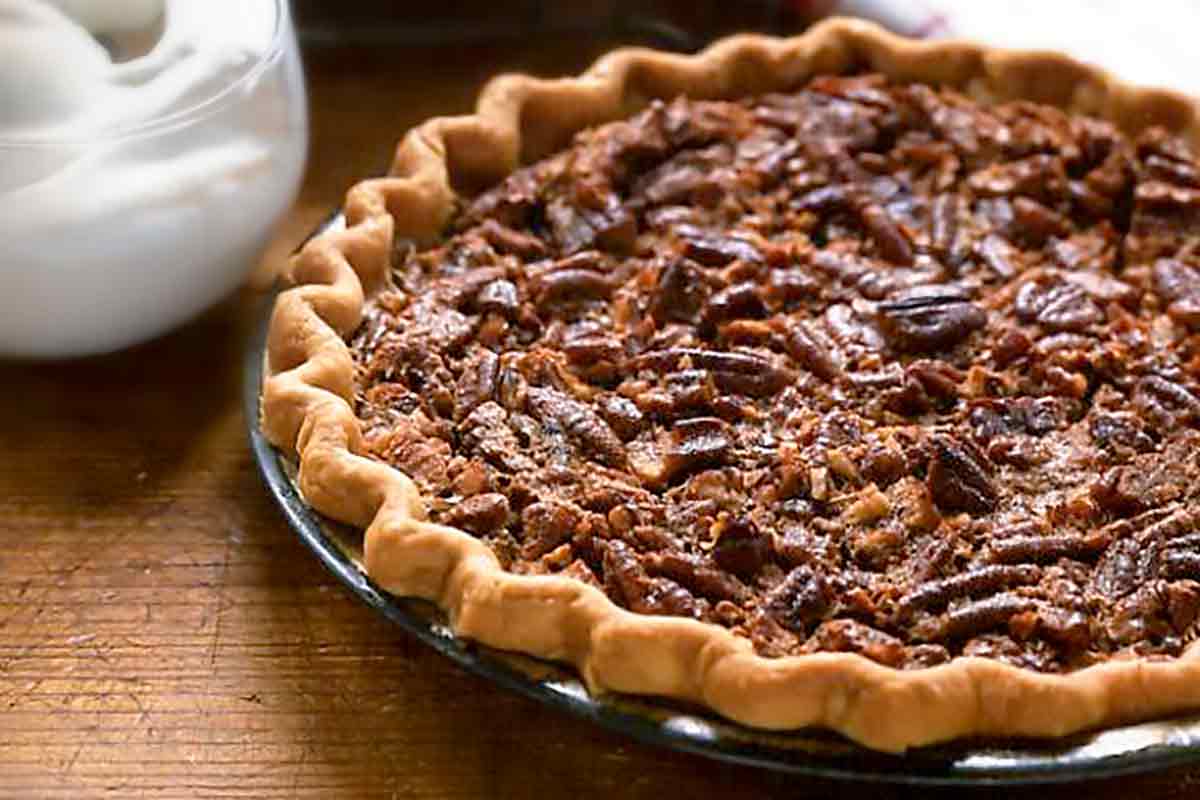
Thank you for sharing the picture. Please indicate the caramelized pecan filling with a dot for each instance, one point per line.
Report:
(867, 367)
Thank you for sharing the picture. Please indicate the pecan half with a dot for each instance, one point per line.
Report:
(580, 423)
(740, 547)
(929, 322)
(959, 477)
(802, 599)
(696, 444)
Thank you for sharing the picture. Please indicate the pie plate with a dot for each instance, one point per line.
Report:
(1117, 751)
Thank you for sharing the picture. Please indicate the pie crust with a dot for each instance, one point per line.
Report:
(309, 390)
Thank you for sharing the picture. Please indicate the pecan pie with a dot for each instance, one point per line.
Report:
(852, 382)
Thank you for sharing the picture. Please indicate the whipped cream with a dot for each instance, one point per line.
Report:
(112, 16)
(134, 193)
(51, 71)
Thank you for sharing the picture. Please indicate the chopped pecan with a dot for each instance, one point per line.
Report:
(580, 423)
(740, 547)
(486, 430)
(868, 506)
(825, 199)
(697, 444)
(884, 464)
(1057, 306)
(477, 384)
(801, 600)
(1104, 289)
(1138, 616)
(748, 332)
(1113, 176)
(740, 301)
(1064, 627)
(1036, 222)
(510, 203)
(672, 182)
(1165, 196)
(572, 286)
(627, 583)
(959, 477)
(575, 228)
(944, 226)
(681, 293)
(1178, 564)
(919, 656)
(1012, 345)
(1039, 175)
(474, 478)
(787, 286)
(1183, 604)
(689, 390)
(1022, 415)
(977, 617)
(733, 371)
(622, 415)
(843, 267)
(1166, 403)
(464, 289)
(498, 297)
(813, 349)
(696, 575)
(481, 514)
(1142, 483)
(849, 636)
(980, 580)
(512, 390)
(546, 525)
(1179, 285)
(1169, 170)
(717, 250)
(1174, 280)
(507, 240)
(938, 379)
(1158, 141)
(1173, 525)
(893, 244)
(1120, 433)
(1047, 548)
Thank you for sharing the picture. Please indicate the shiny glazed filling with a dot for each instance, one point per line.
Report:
(866, 367)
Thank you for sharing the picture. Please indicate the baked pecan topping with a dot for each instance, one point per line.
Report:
(866, 367)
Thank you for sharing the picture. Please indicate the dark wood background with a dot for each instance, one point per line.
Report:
(473, 20)
(164, 634)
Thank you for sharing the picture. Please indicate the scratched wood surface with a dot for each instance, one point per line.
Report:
(162, 632)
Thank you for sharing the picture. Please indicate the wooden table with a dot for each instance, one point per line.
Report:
(164, 634)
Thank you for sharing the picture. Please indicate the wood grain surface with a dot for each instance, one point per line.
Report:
(164, 634)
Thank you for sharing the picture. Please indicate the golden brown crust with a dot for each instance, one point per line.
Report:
(307, 396)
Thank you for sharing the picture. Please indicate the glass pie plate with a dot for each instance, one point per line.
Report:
(1117, 751)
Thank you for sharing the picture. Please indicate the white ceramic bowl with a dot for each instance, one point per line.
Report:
(112, 239)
